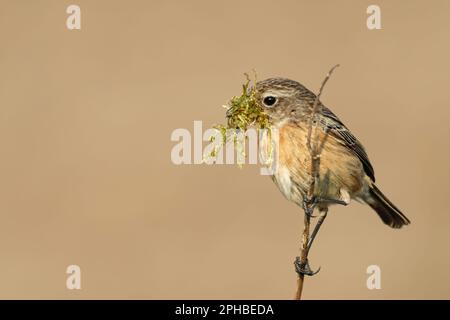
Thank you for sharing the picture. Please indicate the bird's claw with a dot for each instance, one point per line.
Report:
(309, 205)
(304, 268)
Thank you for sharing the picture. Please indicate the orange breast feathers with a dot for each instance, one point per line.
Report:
(340, 168)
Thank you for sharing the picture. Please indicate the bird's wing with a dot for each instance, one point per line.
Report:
(341, 132)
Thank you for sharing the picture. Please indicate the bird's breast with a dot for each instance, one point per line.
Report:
(340, 170)
(293, 162)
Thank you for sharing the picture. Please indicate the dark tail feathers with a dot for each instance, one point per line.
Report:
(387, 211)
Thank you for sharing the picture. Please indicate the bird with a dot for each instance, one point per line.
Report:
(345, 172)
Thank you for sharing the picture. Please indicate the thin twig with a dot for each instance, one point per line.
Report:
(303, 256)
(315, 150)
(315, 108)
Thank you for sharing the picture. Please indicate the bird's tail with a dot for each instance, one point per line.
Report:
(387, 211)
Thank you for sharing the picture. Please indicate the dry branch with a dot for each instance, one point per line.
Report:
(315, 148)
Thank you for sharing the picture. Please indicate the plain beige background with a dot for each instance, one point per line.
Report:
(86, 176)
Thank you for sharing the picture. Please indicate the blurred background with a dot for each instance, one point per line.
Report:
(86, 176)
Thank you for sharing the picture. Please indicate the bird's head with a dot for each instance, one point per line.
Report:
(282, 98)
(268, 103)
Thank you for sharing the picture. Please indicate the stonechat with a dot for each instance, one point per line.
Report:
(345, 172)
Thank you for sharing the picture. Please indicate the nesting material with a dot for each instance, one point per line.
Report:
(243, 112)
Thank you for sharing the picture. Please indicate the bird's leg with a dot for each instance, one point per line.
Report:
(323, 215)
(304, 268)
(308, 206)
(330, 201)
(323, 200)
(301, 263)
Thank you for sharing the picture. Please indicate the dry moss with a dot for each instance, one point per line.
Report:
(243, 112)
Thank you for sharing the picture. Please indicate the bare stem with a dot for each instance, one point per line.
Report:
(303, 256)
(315, 109)
(315, 148)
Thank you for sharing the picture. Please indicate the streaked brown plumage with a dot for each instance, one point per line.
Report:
(345, 170)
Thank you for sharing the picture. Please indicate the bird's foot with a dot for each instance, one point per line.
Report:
(304, 268)
(309, 204)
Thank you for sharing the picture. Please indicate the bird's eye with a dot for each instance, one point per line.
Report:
(269, 101)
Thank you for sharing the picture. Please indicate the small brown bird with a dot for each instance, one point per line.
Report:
(345, 171)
